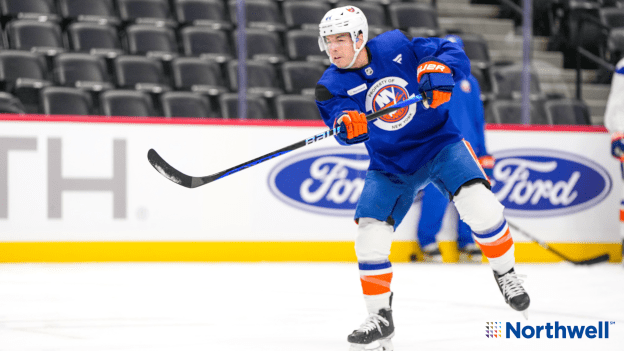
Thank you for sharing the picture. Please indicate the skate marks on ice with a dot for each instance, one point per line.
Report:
(302, 307)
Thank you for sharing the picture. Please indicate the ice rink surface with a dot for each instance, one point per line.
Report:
(291, 307)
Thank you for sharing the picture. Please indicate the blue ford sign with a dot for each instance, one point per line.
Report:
(544, 183)
(327, 181)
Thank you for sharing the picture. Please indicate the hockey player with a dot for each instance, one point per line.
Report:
(466, 111)
(614, 121)
(408, 149)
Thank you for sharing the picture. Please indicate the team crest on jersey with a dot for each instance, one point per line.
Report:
(385, 93)
(465, 86)
(350, 9)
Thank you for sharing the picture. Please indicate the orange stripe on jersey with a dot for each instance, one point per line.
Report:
(376, 284)
(497, 248)
(474, 157)
(431, 67)
(621, 215)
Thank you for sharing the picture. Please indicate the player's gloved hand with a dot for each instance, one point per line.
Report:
(617, 145)
(353, 127)
(435, 81)
(487, 163)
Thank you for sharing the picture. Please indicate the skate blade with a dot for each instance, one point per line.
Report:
(525, 313)
(379, 345)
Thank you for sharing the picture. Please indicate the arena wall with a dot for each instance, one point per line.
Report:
(80, 189)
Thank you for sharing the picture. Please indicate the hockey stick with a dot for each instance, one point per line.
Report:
(598, 259)
(193, 182)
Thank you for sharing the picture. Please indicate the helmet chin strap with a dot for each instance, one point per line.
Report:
(357, 52)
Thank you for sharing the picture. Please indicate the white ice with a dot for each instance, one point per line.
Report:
(302, 307)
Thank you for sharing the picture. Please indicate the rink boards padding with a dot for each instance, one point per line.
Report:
(80, 189)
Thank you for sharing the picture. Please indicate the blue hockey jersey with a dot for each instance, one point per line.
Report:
(402, 142)
(466, 110)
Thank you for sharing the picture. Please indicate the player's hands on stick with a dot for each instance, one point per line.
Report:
(353, 127)
(617, 145)
(487, 163)
(435, 81)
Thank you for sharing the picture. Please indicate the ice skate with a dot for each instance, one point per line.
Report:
(510, 286)
(470, 253)
(374, 334)
(432, 254)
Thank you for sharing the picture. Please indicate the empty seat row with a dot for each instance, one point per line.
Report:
(162, 42)
(262, 13)
(20, 69)
(541, 112)
(71, 101)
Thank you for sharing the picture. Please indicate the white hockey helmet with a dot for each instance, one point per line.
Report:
(346, 19)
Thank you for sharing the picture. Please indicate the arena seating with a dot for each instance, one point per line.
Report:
(177, 58)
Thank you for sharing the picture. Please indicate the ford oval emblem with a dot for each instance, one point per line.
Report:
(327, 181)
(545, 183)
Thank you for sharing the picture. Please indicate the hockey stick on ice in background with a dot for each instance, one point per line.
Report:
(598, 259)
(193, 182)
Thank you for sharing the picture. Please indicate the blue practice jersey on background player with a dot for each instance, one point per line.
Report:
(466, 109)
(412, 135)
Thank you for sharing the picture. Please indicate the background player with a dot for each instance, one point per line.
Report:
(614, 121)
(408, 149)
(466, 110)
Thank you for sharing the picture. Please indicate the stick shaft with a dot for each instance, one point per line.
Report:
(192, 182)
(598, 259)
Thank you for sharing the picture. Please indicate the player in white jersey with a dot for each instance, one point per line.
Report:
(614, 121)
(409, 149)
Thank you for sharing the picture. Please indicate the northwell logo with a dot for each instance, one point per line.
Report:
(548, 331)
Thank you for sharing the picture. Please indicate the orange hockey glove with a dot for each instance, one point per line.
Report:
(435, 81)
(353, 127)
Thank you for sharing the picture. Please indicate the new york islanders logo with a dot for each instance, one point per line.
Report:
(385, 93)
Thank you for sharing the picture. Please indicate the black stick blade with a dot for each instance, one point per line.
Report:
(167, 171)
(599, 259)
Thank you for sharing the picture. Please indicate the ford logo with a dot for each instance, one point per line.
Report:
(327, 181)
(545, 183)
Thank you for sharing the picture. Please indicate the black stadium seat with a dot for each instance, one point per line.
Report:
(198, 75)
(262, 45)
(510, 112)
(261, 78)
(207, 42)
(301, 13)
(202, 12)
(301, 75)
(126, 103)
(303, 45)
(95, 38)
(23, 74)
(297, 107)
(10, 104)
(29, 9)
(567, 111)
(82, 71)
(185, 104)
(509, 81)
(100, 11)
(146, 11)
(406, 15)
(44, 37)
(65, 101)
(259, 14)
(144, 39)
(476, 49)
(141, 73)
(257, 107)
